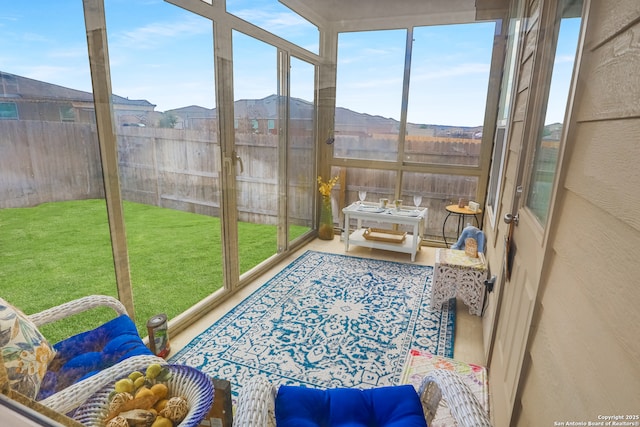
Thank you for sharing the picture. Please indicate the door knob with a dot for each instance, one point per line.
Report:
(510, 218)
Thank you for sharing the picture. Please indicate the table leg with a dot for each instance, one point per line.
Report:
(414, 248)
(346, 232)
(444, 224)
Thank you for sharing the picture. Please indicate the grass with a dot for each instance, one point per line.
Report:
(56, 252)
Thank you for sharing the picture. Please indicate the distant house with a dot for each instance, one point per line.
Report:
(194, 117)
(258, 116)
(252, 116)
(22, 98)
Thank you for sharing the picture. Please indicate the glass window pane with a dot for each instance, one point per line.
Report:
(504, 110)
(301, 156)
(436, 192)
(67, 113)
(368, 94)
(8, 110)
(378, 184)
(273, 16)
(448, 93)
(54, 232)
(168, 153)
(546, 154)
(256, 102)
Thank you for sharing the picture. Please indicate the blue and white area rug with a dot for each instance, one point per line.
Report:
(325, 321)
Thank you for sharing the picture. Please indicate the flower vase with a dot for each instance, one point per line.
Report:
(325, 229)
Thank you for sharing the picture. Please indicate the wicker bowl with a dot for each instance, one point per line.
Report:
(185, 381)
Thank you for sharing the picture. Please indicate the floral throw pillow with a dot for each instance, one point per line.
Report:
(25, 352)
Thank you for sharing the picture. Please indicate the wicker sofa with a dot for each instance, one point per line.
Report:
(83, 363)
(257, 401)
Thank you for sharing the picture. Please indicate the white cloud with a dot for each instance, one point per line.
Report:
(396, 82)
(455, 71)
(74, 77)
(563, 59)
(273, 21)
(156, 34)
(79, 52)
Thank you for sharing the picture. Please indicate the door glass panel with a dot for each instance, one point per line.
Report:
(256, 104)
(168, 154)
(448, 93)
(504, 109)
(54, 231)
(301, 153)
(547, 146)
(369, 94)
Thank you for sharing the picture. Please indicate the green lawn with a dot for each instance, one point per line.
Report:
(59, 251)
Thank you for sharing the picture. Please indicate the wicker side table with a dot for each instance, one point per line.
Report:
(456, 274)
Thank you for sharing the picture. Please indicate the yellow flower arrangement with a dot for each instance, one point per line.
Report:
(326, 187)
(325, 229)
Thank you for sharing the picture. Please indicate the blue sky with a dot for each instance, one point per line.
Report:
(163, 54)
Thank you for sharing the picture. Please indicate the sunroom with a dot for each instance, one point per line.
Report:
(186, 140)
(259, 128)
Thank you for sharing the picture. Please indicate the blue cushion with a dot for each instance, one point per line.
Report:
(345, 407)
(86, 354)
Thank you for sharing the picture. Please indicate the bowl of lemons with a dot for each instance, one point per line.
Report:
(160, 396)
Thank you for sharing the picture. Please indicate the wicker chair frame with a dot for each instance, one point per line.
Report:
(256, 402)
(68, 399)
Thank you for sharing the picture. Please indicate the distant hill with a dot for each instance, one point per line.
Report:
(347, 120)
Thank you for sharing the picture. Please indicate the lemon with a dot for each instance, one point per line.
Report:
(162, 422)
(124, 385)
(153, 370)
(139, 382)
(135, 375)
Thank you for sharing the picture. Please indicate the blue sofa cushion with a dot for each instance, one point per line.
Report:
(86, 354)
(393, 406)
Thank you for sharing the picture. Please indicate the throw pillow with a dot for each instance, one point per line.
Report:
(85, 354)
(25, 352)
(392, 406)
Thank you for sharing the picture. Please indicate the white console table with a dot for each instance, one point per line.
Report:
(405, 216)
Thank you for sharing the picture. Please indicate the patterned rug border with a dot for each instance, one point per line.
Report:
(446, 322)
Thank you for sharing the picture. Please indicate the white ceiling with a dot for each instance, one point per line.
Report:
(372, 14)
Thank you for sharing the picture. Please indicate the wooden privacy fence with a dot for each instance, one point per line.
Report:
(179, 169)
(435, 150)
(48, 161)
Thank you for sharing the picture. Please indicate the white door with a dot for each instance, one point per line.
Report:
(536, 149)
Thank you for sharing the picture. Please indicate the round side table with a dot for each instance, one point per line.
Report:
(462, 213)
